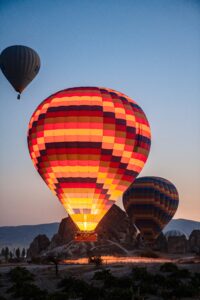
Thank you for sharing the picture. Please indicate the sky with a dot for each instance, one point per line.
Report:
(148, 50)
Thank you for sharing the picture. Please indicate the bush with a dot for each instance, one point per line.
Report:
(172, 282)
(101, 275)
(75, 288)
(118, 294)
(184, 290)
(181, 273)
(139, 273)
(27, 291)
(57, 296)
(195, 281)
(168, 267)
(20, 274)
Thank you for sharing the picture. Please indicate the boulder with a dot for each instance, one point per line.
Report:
(177, 244)
(39, 244)
(160, 243)
(194, 241)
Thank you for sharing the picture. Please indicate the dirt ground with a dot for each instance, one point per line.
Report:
(45, 276)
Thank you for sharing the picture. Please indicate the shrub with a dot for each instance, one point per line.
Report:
(74, 288)
(20, 274)
(184, 290)
(124, 282)
(195, 280)
(27, 291)
(57, 296)
(101, 275)
(140, 273)
(168, 267)
(181, 273)
(118, 294)
(172, 282)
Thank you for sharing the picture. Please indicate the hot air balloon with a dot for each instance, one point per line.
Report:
(88, 144)
(19, 64)
(151, 202)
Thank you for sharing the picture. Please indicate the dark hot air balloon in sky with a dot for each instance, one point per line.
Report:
(151, 202)
(19, 64)
(88, 144)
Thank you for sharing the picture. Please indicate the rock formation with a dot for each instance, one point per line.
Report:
(194, 241)
(40, 243)
(116, 234)
(161, 243)
(177, 244)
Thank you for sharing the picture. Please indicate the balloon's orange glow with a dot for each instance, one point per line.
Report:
(88, 144)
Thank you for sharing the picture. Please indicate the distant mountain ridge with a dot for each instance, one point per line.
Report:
(187, 226)
(22, 236)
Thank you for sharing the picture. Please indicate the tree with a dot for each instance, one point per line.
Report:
(2, 252)
(11, 255)
(6, 253)
(23, 253)
(17, 253)
(55, 260)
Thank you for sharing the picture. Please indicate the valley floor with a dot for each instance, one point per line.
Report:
(120, 267)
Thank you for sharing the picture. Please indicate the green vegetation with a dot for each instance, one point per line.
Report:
(76, 288)
(20, 274)
(13, 256)
(170, 282)
(168, 267)
(23, 286)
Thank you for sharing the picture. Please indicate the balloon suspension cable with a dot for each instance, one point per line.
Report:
(18, 96)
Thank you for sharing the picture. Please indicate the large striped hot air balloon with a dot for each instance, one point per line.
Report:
(151, 202)
(88, 144)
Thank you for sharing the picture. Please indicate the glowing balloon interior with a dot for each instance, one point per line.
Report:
(88, 144)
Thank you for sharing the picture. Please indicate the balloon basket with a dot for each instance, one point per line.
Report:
(82, 236)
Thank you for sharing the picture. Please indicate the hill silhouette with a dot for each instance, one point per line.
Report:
(22, 236)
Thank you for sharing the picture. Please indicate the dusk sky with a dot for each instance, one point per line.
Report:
(148, 50)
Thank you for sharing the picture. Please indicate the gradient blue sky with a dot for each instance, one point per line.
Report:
(149, 50)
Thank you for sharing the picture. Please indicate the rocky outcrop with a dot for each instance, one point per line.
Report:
(39, 244)
(177, 244)
(116, 234)
(161, 243)
(117, 227)
(66, 233)
(194, 241)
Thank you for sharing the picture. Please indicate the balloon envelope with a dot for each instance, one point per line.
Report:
(151, 202)
(88, 144)
(19, 64)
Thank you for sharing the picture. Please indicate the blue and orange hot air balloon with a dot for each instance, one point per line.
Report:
(151, 202)
(88, 144)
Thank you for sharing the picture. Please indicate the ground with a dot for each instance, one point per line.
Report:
(46, 279)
